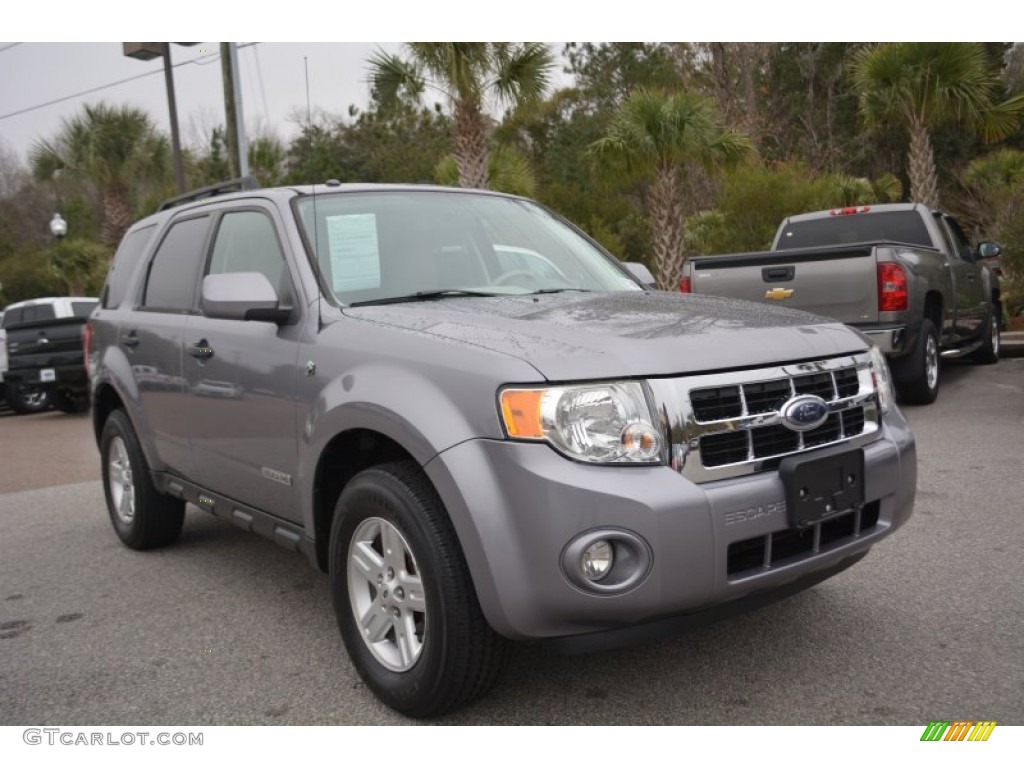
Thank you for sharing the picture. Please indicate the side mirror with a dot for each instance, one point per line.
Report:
(989, 250)
(242, 296)
(641, 273)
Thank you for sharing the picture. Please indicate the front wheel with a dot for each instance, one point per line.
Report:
(405, 603)
(917, 375)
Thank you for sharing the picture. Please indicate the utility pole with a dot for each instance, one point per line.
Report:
(146, 52)
(179, 166)
(230, 123)
(238, 145)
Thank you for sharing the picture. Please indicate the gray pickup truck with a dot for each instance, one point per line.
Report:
(481, 425)
(902, 273)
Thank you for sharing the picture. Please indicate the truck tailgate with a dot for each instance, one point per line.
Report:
(840, 282)
(46, 344)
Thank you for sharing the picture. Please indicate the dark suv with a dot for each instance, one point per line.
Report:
(480, 424)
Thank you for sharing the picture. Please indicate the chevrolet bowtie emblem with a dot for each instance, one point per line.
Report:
(778, 294)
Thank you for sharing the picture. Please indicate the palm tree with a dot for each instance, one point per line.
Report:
(672, 138)
(923, 85)
(467, 74)
(508, 170)
(117, 149)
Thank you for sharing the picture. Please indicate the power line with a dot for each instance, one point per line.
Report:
(197, 60)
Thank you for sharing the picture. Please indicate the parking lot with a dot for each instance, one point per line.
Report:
(226, 628)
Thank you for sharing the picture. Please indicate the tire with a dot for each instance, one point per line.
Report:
(424, 662)
(989, 351)
(917, 376)
(143, 517)
(26, 399)
(68, 402)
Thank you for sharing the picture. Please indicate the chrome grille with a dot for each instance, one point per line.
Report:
(730, 423)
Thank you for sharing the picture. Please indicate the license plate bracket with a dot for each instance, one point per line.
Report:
(47, 375)
(821, 485)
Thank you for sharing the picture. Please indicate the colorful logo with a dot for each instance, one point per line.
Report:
(960, 730)
(778, 294)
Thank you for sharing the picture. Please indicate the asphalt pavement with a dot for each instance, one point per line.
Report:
(226, 628)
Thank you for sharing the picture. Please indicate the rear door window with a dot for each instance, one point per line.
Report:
(174, 271)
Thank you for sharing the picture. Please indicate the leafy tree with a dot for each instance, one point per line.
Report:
(467, 74)
(80, 265)
(313, 155)
(210, 164)
(754, 198)
(267, 160)
(925, 85)
(115, 148)
(669, 138)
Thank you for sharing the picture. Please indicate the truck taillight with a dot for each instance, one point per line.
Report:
(684, 285)
(86, 344)
(892, 288)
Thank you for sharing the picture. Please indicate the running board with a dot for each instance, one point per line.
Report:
(281, 532)
(960, 351)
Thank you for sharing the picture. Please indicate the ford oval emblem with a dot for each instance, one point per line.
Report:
(804, 412)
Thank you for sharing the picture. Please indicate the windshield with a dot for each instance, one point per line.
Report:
(375, 246)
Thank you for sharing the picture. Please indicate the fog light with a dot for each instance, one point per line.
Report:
(597, 560)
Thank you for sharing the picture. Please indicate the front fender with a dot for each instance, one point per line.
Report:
(421, 415)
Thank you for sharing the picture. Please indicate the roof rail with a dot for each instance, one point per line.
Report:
(221, 188)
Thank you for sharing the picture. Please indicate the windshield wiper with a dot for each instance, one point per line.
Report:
(442, 293)
(560, 290)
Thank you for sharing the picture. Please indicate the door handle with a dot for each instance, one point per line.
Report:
(131, 340)
(201, 350)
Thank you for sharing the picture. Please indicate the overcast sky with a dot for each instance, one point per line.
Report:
(272, 74)
(273, 85)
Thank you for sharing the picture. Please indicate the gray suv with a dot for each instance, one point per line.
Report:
(480, 424)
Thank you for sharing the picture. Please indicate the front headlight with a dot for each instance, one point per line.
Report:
(608, 423)
(883, 379)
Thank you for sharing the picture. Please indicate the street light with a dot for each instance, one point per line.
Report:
(145, 52)
(58, 227)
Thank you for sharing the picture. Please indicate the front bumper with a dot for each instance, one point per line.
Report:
(516, 507)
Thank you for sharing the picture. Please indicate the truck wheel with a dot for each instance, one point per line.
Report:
(26, 399)
(405, 603)
(989, 351)
(917, 375)
(68, 402)
(143, 517)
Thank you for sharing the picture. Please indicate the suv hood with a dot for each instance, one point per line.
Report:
(574, 336)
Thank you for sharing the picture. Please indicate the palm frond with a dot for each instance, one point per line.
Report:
(522, 71)
(394, 80)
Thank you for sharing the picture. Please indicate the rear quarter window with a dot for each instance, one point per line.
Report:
(123, 267)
